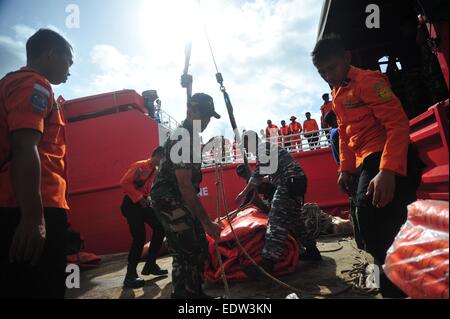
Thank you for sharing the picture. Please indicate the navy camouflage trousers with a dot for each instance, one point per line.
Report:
(288, 216)
(188, 247)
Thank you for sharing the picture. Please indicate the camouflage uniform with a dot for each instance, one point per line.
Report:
(185, 234)
(286, 214)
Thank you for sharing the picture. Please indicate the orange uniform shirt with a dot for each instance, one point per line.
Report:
(284, 130)
(27, 102)
(310, 125)
(137, 181)
(271, 130)
(272, 133)
(324, 109)
(371, 119)
(295, 127)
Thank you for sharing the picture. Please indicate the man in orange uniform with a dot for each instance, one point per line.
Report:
(136, 208)
(285, 135)
(310, 125)
(295, 128)
(324, 110)
(326, 107)
(33, 183)
(374, 140)
(271, 132)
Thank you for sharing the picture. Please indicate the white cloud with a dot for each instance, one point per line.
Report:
(116, 70)
(12, 48)
(23, 32)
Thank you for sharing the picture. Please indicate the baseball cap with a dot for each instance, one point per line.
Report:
(204, 104)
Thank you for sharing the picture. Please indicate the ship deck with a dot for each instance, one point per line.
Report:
(314, 279)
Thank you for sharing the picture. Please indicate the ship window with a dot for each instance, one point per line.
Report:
(384, 64)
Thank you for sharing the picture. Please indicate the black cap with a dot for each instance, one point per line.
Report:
(204, 104)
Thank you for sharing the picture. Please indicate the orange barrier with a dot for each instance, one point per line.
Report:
(417, 261)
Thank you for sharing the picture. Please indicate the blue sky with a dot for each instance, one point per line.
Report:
(262, 48)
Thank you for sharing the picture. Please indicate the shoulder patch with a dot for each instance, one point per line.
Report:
(40, 97)
(382, 90)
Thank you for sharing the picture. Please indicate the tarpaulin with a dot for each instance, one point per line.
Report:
(250, 227)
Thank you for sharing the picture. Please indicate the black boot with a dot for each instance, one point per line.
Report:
(254, 272)
(133, 281)
(153, 268)
(311, 253)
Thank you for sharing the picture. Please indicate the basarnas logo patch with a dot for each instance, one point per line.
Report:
(382, 90)
(40, 97)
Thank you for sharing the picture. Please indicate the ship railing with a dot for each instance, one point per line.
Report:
(167, 121)
(294, 143)
(309, 141)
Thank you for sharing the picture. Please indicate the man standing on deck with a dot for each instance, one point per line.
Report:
(285, 135)
(33, 182)
(136, 208)
(324, 109)
(158, 110)
(271, 132)
(331, 122)
(310, 125)
(174, 195)
(374, 141)
(295, 128)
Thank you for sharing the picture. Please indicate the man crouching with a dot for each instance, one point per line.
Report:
(286, 214)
